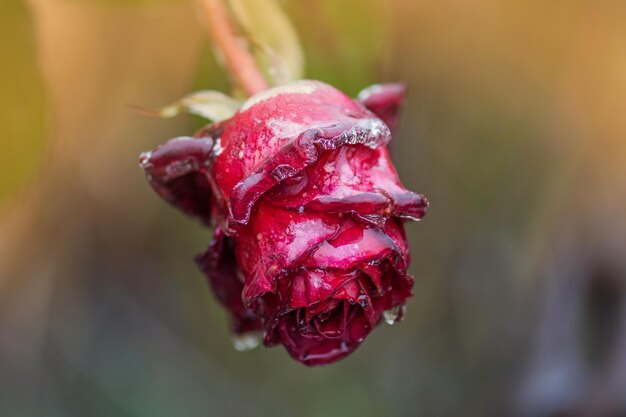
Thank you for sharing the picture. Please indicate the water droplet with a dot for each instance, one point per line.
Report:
(362, 299)
(217, 148)
(393, 315)
(246, 341)
(144, 158)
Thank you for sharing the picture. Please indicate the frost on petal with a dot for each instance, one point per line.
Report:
(309, 287)
(353, 179)
(310, 242)
(323, 307)
(220, 266)
(275, 240)
(293, 158)
(323, 339)
(385, 101)
(331, 312)
(355, 245)
(275, 138)
(177, 171)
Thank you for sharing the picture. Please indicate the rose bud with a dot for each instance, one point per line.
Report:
(308, 215)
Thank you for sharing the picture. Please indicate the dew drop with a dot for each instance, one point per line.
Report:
(246, 341)
(144, 158)
(362, 299)
(393, 315)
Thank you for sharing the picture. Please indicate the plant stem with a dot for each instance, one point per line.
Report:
(240, 62)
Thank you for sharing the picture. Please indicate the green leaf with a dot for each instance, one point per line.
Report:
(269, 30)
(209, 104)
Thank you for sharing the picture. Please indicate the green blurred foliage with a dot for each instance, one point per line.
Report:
(209, 74)
(344, 41)
(277, 47)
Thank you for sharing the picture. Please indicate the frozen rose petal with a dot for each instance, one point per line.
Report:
(306, 119)
(177, 171)
(348, 328)
(293, 158)
(385, 101)
(311, 286)
(356, 244)
(220, 266)
(274, 240)
(354, 179)
(308, 212)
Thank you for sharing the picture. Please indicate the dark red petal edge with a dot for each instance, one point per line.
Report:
(177, 170)
(385, 101)
(302, 152)
(220, 266)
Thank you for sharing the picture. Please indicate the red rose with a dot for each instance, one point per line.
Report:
(308, 212)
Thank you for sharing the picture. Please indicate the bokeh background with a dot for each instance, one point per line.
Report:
(515, 129)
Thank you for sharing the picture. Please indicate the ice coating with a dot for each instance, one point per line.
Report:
(352, 178)
(302, 125)
(297, 87)
(333, 291)
(354, 245)
(220, 266)
(308, 214)
(177, 171)
(276, 239)
(385, 101)
(325, 342)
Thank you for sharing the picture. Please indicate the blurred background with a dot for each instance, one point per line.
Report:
(515, 129)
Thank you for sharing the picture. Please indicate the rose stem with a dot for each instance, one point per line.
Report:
(239, 61)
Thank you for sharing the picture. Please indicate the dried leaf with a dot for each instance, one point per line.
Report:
(209, 104)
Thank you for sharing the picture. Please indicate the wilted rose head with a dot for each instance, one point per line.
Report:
(307, 210)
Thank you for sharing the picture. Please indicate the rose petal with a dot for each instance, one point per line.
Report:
(312, 286)
(293, 158)
(280, 132)
(220, 267)
(357, 244)
(309, 210)
(385, 101)
(354, 179)
(316, 349)
(177, 171)
(274, 240)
